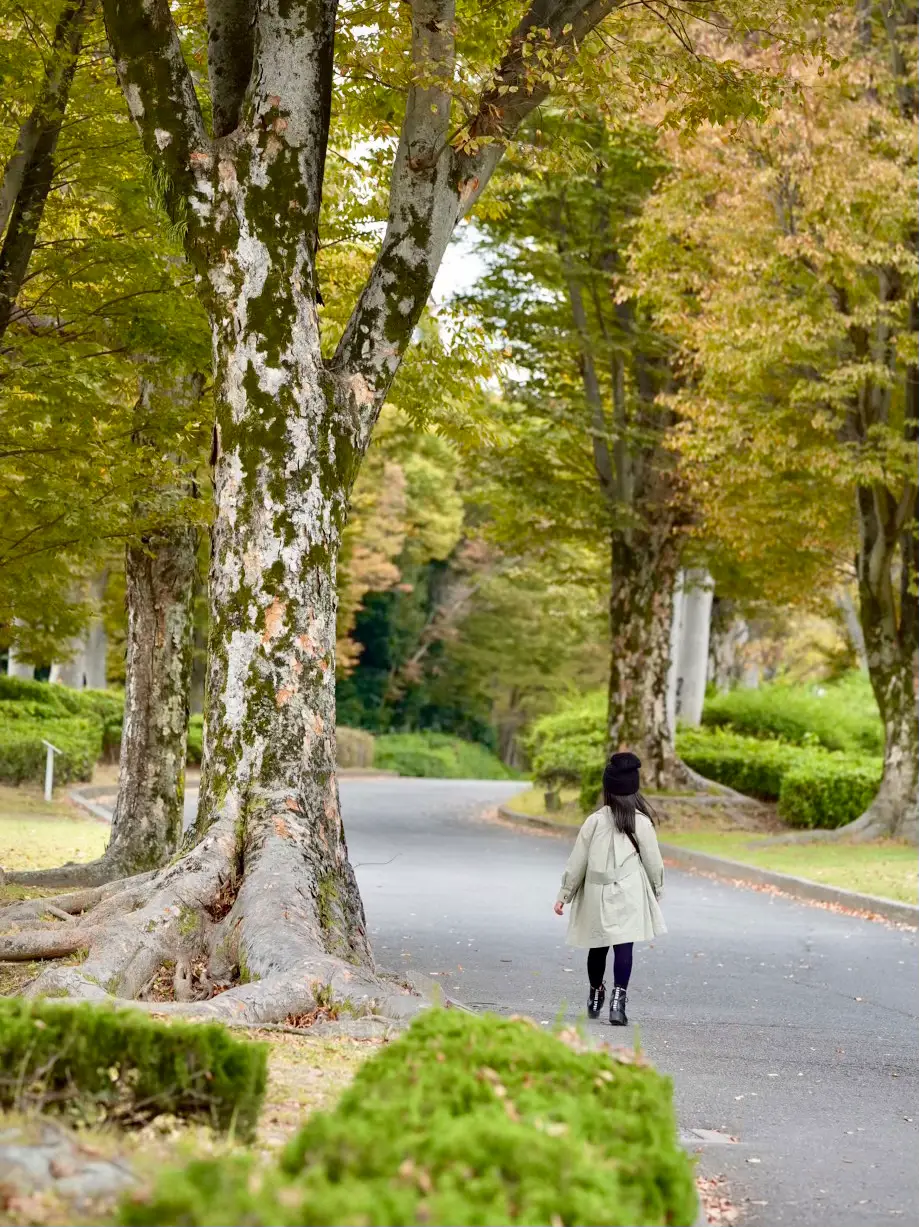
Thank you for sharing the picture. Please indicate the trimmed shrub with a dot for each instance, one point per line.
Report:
(437, 756)
(748, 764)
(814, 787)
(463, 1120)
(354, 748)
(589, 798)
(22, 755)
(568, 744)
(840, 716)
(100, 1065)
(827, 794)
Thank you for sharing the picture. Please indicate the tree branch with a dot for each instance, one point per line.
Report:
(433, 186)
(291, 89)
(519, 85)
(422, 215)
(30, 171)
(599, 426)
(161, 99)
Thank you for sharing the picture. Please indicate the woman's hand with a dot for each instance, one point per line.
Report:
(559, 908)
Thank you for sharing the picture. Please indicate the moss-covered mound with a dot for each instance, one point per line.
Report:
(100, 1065)
(463, 1120)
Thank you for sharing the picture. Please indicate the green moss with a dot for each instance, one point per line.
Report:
(189, 921)
(463, 1120)
(98, 1064)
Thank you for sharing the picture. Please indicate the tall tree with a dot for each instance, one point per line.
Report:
(785, 264)
(293, 421)
(587, 367)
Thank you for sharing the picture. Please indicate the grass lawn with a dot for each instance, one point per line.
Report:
(887, 869)
(36, 834)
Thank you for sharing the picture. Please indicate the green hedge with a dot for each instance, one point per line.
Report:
(99, 1065)
(819, 794)
(22, 755)
(814, 787)
(839, 716)
(438, 756)
(463, 1120)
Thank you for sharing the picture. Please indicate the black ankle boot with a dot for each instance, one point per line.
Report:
(617, 1002)
(595, 999)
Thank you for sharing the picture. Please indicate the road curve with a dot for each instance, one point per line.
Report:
(788, 1027)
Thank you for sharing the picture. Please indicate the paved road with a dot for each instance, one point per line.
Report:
(788, 1027)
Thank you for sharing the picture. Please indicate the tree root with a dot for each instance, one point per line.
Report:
(251, 935)
(877, 822)
(74, 874)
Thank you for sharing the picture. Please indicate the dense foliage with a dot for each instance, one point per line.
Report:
(96, 1065)
(464, 1119)
(839, 716)
(437, 755)
(810, 749)
(814, 787)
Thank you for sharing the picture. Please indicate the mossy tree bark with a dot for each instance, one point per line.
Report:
(642, 582)
(266, 898)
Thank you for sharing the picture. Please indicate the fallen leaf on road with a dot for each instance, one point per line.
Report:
(716, 1202)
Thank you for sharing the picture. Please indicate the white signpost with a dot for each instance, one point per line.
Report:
(49, 768)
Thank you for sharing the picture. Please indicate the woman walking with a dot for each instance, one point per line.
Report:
(613, 880)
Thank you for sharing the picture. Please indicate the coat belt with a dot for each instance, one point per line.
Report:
(625, 870)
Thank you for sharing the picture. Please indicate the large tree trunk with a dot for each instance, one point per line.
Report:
(644, 572)
(285, 464)
(266, 900)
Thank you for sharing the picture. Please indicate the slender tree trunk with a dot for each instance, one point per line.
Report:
(161, 572)
(890, 625)
(147, 825)
(29, 173)
(643, 578)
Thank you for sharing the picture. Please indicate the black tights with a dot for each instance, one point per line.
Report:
(622, 964)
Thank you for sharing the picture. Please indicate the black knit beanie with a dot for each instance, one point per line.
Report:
(620, 776)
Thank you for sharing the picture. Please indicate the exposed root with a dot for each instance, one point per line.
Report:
(43, 943)
(72, 874)
(194, 940)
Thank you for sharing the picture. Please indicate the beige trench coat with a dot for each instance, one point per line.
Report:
(613, 893)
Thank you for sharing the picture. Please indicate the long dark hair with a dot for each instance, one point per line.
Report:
(624, 809)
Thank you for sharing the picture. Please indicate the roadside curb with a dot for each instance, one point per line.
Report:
(737, 871)
(788, 884)
(84, 798)
(531, 820)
